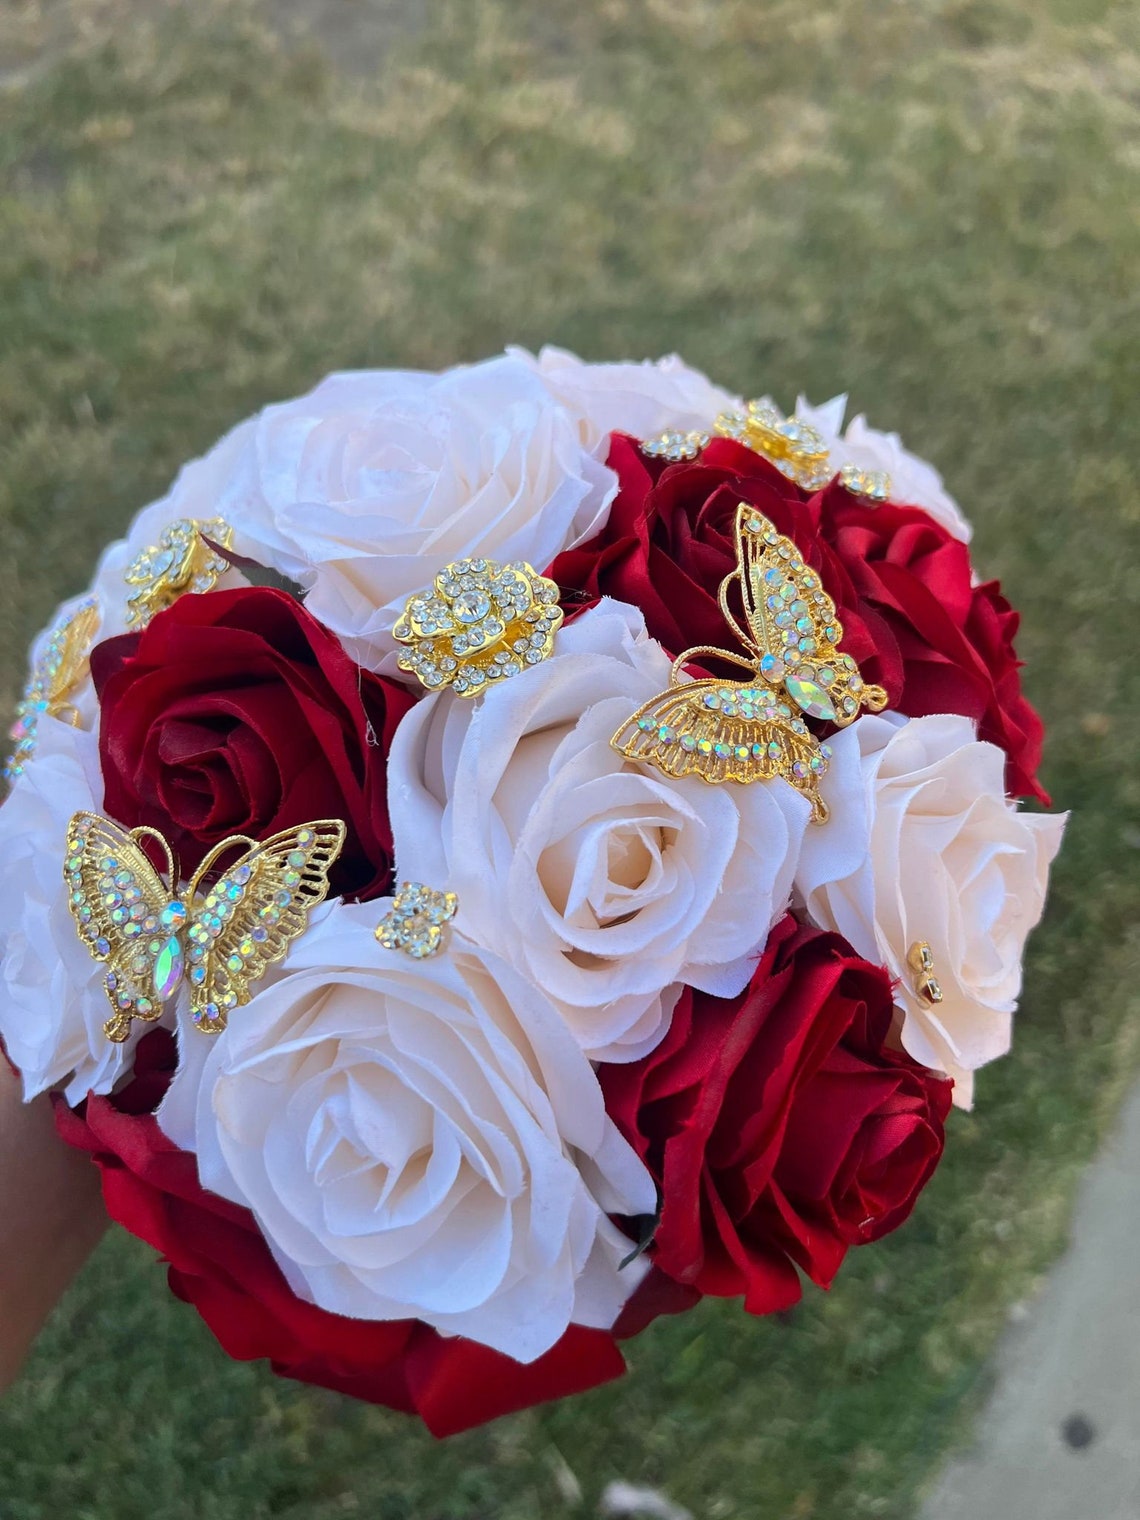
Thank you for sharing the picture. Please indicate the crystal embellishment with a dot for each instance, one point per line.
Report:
(920, 959)
(874, 484)
(480, 623)
(53, 679)
(218, 939)
(795, 447)
(417, 920)
(675, 446)
(184, 559)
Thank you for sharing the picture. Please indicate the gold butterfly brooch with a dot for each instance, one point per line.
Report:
(755, 731)
(219, 938)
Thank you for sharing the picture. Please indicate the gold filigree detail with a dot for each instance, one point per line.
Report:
(675, 446)
(795, 447)
(220, 939)
(184, 559)
(875, 484)
(754, 731)
(53, 679)
(418, 919)
(920, 959)
(481, 623)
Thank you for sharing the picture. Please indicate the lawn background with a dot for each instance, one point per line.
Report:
(932, 204)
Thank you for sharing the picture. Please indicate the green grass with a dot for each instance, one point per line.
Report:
(932, 204)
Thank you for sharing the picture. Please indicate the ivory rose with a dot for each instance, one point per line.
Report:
(52, 1003)
(604, 882)
(923, 845)
(417, 1139)
(641, 399)
(365, 488)
(914, 483)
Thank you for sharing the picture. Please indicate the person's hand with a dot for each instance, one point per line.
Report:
(51, 1216)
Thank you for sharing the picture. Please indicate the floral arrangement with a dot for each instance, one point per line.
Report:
(497, 856)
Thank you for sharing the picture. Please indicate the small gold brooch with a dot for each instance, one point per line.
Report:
(53, 678)
(920, 959)
(481, 623)
(418, 918)
(675, 446)
(795, 447)
(184, 559)
(875, 484)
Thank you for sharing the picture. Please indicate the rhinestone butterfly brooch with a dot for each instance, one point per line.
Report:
(754, 731)
(52, 682)
(219, 938)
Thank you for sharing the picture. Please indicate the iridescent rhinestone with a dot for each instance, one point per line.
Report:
(173, 916)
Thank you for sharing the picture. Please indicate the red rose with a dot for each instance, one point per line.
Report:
(219, 1262)
(779, 1127)
(900, 582)
(236, 712)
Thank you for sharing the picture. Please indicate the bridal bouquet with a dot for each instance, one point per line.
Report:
(497, 856)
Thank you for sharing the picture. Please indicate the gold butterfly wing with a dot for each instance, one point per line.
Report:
(116, 898)
(70, 667)
(252, 914)
(793, 623)
(725, 731)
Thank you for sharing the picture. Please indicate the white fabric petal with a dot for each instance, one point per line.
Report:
(606, 884)
(52, 1002)
(922, 845)
(914, 482)
(417, 1139)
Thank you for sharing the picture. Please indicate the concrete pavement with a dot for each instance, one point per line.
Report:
(1060, 1438)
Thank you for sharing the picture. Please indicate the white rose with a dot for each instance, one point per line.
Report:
(416, 1138)
(914, 483)
(606, 883)
(365, 488)
(922, 845)
(640, 399)
(52, 1002)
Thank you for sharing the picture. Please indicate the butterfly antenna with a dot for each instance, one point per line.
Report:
(145, 832)
(212, 857)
